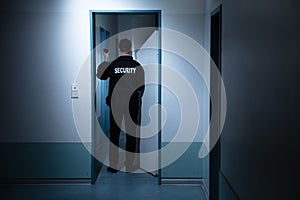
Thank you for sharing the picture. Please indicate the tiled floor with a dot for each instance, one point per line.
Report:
(119, 186)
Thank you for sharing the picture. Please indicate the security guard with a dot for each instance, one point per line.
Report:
(126, 88)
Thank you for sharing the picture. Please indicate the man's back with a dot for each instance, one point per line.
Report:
(126, 70)
(126, 78)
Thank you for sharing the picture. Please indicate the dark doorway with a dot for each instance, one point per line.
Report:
(110, 25)
(215, 53)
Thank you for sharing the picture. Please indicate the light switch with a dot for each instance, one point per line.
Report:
(74, 92)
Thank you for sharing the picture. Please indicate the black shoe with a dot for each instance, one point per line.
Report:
(112, 170)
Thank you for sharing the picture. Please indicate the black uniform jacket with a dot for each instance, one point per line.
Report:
(126, 76)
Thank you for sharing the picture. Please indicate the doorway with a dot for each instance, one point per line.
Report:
(107, 27)
(215, 54)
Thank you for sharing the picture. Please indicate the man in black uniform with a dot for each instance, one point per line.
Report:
(126, 88)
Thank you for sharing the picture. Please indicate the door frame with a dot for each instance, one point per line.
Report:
(215, 154)
(93, 78)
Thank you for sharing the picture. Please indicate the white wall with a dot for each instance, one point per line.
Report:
(45, 45)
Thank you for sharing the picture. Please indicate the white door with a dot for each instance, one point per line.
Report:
(147, 55)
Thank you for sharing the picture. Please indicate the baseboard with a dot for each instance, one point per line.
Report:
(173, 181)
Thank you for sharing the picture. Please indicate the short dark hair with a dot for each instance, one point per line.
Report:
(125, 45)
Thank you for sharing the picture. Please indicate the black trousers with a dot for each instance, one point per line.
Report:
(132, 122)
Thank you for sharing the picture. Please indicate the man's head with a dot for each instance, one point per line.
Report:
(125, 45)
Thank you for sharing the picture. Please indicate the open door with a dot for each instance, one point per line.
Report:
(149, 59)
(215, 53)
(102, 86)
(101, 91)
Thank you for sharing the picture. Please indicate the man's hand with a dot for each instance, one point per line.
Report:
(106, 53)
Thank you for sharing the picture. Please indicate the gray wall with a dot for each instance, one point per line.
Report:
(43, 50)
(259, 143)
(37, 64)
(39, 59)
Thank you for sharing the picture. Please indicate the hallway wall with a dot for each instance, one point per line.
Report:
(43, 47)
(259, 143)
